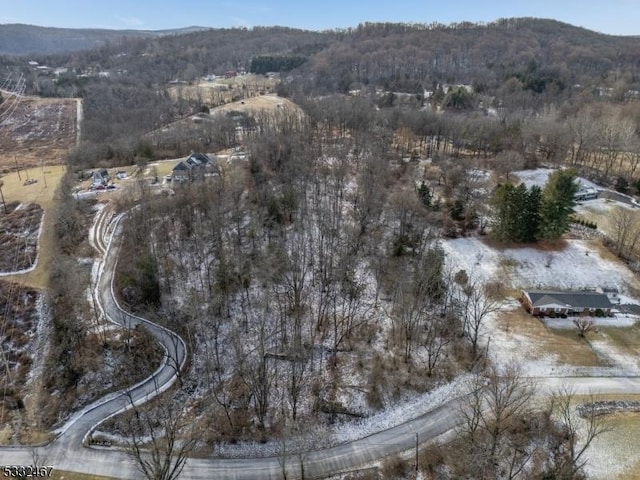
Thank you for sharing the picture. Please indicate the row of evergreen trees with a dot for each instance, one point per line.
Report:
(530, 214)
(261, 64)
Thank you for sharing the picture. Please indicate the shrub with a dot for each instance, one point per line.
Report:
(393, 468)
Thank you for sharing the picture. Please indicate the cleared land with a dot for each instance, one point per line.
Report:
(35, 131)
(41, 193)
(19, 231)
(19, 317)
(224, 90)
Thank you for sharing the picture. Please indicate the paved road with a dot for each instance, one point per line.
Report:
(67, 452)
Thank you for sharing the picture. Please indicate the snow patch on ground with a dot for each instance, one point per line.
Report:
(577, 266)
(539, 177)
(413, 408)
(619, 320)
(342, 433)
(623, 360)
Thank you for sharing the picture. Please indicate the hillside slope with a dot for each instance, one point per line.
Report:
(19, 39)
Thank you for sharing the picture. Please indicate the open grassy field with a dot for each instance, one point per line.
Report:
(538, 342)
(222, 90)
(614, 453)
(43, 193)
(254, 105)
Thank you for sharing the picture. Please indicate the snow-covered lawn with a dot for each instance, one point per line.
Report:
(541, 348)
(600, 206)
(580, 264)
(539, 177)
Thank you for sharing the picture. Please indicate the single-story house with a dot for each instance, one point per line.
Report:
(540, 302)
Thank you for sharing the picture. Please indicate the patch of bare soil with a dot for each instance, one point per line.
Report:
(18, 321)
(35, 130)
(19, 228)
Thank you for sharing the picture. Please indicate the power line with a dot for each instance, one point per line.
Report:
(15, 97)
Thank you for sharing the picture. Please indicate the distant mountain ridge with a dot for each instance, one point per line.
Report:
(20, 39)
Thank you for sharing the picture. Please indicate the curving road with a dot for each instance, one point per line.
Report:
(67, 451)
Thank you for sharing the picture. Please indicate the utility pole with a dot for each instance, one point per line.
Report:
(2, 196)
(17, 167)
(416, 454)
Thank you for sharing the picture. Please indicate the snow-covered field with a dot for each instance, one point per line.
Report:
(579, 265)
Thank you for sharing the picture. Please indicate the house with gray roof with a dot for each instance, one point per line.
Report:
(541, 302)
(195, 166)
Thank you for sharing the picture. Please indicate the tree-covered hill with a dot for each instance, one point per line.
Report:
(406, 57)
(19, 39)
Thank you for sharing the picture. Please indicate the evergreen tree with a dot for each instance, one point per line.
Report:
(517, 213)
(531, 215)
(556, 206)
(503, 224)
(424, 194)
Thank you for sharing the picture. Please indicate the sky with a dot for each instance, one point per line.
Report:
(615, 17)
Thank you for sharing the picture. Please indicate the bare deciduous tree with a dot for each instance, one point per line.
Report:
(626, 231)
(492, 423)
(160, 440)
(575, 437)
(477, 304)
(584, 325)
